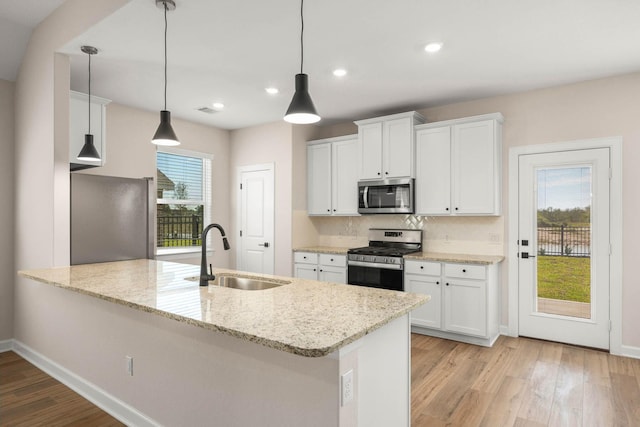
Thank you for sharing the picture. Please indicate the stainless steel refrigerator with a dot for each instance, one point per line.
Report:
(112, 218)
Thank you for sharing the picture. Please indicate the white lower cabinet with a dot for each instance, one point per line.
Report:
(323, 267)
(464, 300)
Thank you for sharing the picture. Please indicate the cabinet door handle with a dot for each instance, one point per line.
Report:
(437, 283)
(464, 271)
(315, 269)
(320, 270)
(446, 209)
(447, 283)
(422, 267)
(331, 260)
(378, 173)
(328, 210)
(456, 208)
(386, 173)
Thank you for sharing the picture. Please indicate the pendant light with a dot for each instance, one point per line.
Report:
(301, 110)
(89, 152)
(164, 134)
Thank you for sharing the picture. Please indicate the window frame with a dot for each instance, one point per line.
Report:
(207, 176)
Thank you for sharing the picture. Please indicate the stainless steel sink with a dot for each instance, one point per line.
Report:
(246, 283)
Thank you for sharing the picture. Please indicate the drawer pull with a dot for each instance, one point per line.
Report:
(447, 283)
(422, 267)
(331, 260)
(464, 270)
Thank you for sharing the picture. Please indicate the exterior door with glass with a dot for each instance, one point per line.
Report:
(564, 246)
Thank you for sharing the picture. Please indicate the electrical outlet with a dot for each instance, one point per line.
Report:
(129, 365)
(347, 387)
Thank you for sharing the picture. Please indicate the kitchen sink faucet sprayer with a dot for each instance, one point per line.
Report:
(204, 276)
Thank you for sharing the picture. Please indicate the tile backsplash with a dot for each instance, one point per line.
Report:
(475, 235)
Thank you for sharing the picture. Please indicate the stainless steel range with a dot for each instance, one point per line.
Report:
(380, 265)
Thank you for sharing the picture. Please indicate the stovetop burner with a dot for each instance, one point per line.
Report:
(387, 246)
(383, 251)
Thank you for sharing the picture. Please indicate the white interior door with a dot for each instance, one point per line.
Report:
(564, 246)
(257, 244)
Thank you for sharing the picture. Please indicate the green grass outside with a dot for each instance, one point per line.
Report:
(564, 278)
(181, 242)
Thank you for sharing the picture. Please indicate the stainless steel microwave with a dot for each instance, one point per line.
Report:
(388, 196)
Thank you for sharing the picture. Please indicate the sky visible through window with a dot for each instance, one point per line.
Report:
(185, 173)
(564, 188)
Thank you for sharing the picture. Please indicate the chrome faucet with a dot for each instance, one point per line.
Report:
(204, 276)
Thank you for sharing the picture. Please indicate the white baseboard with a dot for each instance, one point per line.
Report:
(108, 403)
(629, 351)
(504, 330)
(6, 345)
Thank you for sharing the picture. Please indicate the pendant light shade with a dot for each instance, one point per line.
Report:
(88, 151)
(301, 110)
(164, 134)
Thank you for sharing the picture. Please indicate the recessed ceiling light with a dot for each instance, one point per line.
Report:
(218, 105)
(433, 47)
(339, 72)
(272, 90)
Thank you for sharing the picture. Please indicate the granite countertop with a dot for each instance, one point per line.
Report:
(462, 258)
(422, 256)
(306, 317)
(323, 250)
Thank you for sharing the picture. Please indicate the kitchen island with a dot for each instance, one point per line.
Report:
(239, 357)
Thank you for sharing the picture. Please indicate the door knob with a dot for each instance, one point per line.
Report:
(266, 245)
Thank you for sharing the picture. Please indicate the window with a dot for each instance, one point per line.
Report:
(183, 184)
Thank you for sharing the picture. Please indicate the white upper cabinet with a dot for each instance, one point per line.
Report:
(459, 165)
(332, 176)
(319, 179)
(386, 146)
(79, 126)
(433, 172)
(344, 176)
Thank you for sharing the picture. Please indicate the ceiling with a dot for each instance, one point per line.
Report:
(18, 18)
(231, 51)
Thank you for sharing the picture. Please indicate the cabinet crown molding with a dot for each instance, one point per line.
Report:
(419, 118)
(492, 116)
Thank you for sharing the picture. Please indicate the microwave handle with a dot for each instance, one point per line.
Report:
(365, 196)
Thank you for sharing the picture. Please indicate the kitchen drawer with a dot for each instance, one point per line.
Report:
(422, 267)
(465, 271)
(305, 258)
(334, 260)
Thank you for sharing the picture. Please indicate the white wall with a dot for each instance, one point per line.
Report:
(598, 108)
(41, 157)
(6, 212)
(131, 154)
(270, 143)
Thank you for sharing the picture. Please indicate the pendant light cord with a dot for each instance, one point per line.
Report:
(165, 55)
(89, 94)
(301, 36)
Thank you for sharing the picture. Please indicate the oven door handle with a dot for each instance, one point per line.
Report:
(375, 265)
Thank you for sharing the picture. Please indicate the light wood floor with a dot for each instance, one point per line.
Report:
(29, 397)
(521, 382)
(518, 382)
